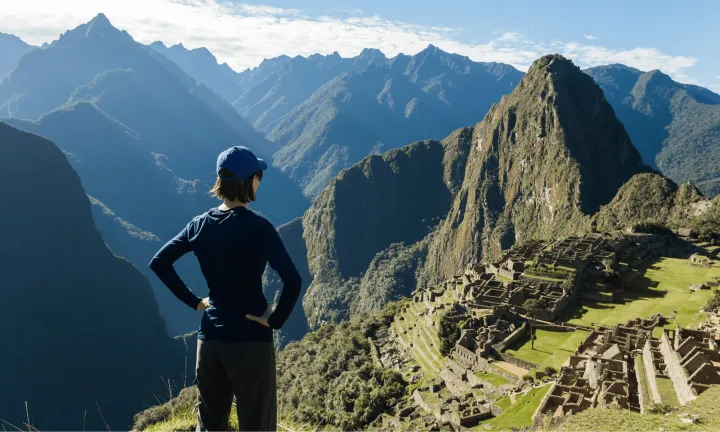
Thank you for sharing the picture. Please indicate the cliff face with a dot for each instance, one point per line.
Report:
(542, 161)
(398, 197)
(82, 324)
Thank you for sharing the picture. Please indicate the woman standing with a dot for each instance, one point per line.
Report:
(235, 354)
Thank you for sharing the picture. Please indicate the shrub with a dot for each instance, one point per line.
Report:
(550, 371)
(449, 333)
(329, 377)
(713, 302)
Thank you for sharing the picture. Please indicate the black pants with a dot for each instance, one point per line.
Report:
(245, 370)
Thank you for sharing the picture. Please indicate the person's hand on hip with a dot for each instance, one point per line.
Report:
(204, 304)
(263, 318)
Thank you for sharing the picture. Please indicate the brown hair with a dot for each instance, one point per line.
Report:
(234, 190)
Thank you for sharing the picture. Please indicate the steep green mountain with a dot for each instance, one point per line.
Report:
(203, 66)
(544, 159)
(383, 106)
(87, 337)
(12, 48)
(676, 127)
(364, 231)
(541, 164)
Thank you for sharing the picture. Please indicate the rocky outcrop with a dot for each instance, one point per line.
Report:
(648, 197)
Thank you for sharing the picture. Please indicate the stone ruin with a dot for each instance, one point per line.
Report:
(692, 359)
(490, 298)
(603, 370)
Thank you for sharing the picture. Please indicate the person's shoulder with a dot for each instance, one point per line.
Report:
(198, 220)
(262, 221)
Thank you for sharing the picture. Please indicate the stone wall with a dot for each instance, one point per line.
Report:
(650, 373)
(553, 327)
(641, 392)
(517, 362)
(676, 372)
(512, 338)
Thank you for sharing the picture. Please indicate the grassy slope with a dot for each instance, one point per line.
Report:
(600, 420)
(551, 348)
(673, 277)
(520, 413)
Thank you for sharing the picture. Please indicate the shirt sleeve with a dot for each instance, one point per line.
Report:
(162, 266)
(280, 261)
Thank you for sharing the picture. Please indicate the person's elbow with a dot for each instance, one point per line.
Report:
(156, 264)
(293, 282)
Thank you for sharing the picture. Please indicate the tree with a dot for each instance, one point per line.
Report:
(533, 308)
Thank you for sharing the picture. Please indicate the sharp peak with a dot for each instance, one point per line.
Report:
(657, 73)
(100, 21)
(431, 49)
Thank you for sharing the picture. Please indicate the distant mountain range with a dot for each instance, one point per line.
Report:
(144, 137)
(676, 127)
(301, 102)
(88, 346)
(12, 48)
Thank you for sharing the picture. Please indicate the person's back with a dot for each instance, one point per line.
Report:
(233, 245)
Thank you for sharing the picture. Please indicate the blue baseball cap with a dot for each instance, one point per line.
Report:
(241, 162)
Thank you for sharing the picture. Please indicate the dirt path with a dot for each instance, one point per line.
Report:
(515, 370)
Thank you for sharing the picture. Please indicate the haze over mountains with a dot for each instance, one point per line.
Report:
(12, 49)
(83, 326)
(144, 137)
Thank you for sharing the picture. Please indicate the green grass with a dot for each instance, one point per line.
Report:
(492, 378)
(667, 391)
(645, 386)
(185, 419)
(673, 276)
(606, 420)
(503, 402)
(551, 348)
(521, 412)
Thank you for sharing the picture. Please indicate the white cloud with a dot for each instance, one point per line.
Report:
(591, 37)
(242, 35)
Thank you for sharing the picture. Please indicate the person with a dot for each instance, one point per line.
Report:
(235, 352)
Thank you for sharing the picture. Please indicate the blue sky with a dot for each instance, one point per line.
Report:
(679, 39)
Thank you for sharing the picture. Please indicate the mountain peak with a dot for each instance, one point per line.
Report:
(97, 28)
(99, 24)
(371, 52)
(431, 50)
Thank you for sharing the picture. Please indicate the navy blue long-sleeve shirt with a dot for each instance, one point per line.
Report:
(233, 248)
